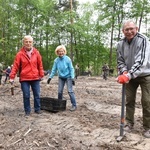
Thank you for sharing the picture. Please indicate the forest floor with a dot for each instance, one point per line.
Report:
(95, 124)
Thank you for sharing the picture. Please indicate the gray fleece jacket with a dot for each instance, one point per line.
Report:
(134, 57)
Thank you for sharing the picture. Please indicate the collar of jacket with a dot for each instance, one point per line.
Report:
(24, 50)
(125, 39)
(62, 57)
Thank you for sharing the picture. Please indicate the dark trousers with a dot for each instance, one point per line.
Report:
(0, 79)
(131, 89)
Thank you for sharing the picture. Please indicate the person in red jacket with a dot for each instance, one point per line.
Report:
(28, 62)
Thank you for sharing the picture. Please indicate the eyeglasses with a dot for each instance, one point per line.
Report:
(129, 29)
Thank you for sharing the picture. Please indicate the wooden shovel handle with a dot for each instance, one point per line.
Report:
(12, 88)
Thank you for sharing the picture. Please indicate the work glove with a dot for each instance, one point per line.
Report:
(11, 81)
(48, 81)
(124, 78)
(45, 73)
(41, 79)
(73, 82)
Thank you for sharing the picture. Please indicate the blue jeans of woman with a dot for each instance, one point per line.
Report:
(61, 85)
(35, 86)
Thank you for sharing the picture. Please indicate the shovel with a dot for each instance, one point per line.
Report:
(122, 134)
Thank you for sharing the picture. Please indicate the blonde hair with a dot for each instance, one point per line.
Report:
(60, 47)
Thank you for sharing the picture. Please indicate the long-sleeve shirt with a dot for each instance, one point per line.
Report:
(63, 65)
(134, 57)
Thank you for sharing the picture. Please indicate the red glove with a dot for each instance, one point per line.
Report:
(123, 79)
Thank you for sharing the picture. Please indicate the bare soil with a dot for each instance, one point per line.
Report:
(95, 124)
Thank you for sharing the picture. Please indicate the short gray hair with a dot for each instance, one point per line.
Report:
(27, 37)
(128, 21)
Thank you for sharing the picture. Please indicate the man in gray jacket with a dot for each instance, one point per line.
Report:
(133, 58)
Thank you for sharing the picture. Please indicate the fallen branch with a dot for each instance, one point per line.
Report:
(50, 145)
(16, 142)
(36, 143)
(27, 132)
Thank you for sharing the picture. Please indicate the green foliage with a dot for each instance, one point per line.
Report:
(89, 31)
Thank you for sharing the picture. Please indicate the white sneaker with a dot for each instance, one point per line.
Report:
(128, 127)
(147, 133)
(73, 108)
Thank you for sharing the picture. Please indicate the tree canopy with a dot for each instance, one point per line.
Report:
(89, 31)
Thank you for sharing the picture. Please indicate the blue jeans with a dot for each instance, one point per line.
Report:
(61, 85)
(25, 86)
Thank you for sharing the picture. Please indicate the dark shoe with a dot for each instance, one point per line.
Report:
(147, 133)
(38, 112)
(73, 108)
(27, 114)
(128, 127)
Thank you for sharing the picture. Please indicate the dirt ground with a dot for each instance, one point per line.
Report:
(95, 124)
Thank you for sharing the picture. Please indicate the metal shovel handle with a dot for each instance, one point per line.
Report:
(122, 111)
(122, 115)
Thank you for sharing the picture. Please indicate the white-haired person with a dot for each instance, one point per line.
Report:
(63, 65)
(28, 62)
(133, 56)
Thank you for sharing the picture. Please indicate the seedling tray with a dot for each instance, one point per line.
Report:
(53, 104)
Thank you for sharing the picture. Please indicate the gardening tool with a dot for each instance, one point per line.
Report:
(12, 88)
(122, 134)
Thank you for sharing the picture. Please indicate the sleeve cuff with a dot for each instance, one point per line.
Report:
(129, 75)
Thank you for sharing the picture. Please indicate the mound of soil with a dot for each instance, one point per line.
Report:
(95, 124)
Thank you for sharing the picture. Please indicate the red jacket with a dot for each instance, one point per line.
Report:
(29, 68)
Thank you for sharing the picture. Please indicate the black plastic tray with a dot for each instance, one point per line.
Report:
(53, 104)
